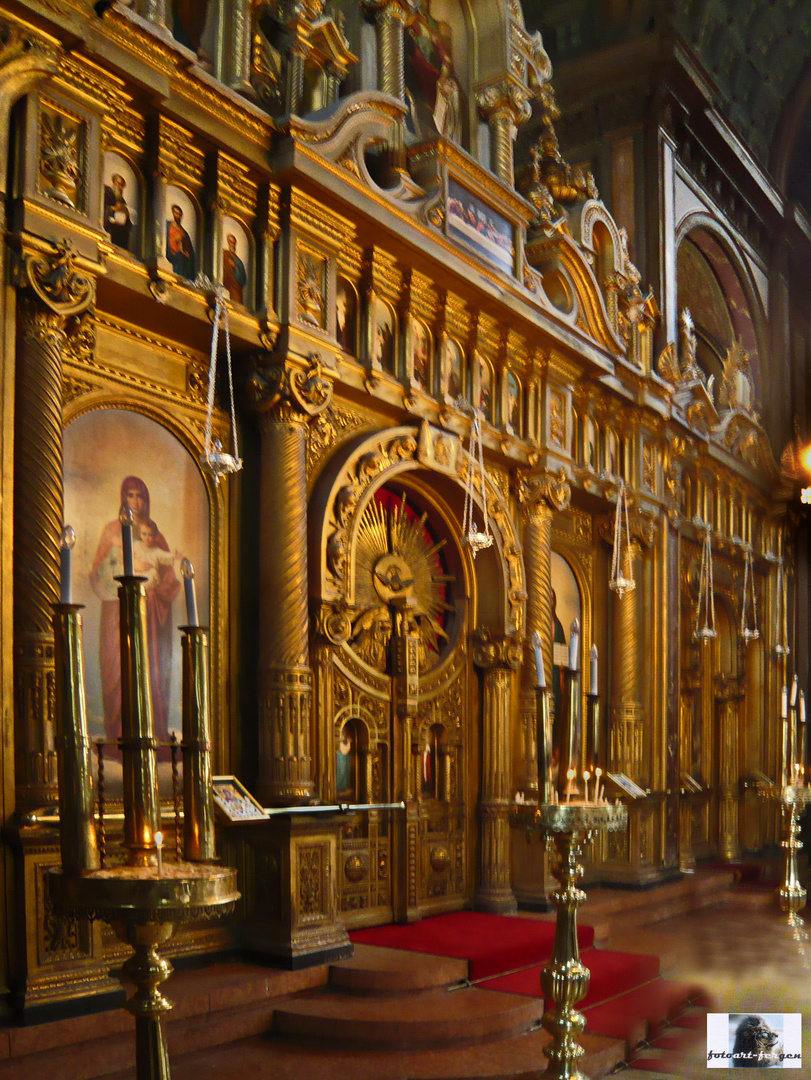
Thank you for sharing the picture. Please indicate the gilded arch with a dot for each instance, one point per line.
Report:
(359, 470)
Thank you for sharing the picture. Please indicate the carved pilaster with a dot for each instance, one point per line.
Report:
(390, 20)
(53, 289)
(238, 58)
(333, 627)
(287, 398)
(540, 497)
(498, 657)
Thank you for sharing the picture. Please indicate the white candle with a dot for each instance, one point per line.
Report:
(66, 542)
(593, 680)
(570, 775)
(586, 778)
(794, 688)
(125, 517)
(574, 647)
(597, 774)
(802, 706)
(540, 677)
(187, 572)
(159, 849)
(784, 703)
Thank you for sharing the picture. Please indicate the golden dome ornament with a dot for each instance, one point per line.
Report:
(215, 460)
(620, 556)
(472, 537)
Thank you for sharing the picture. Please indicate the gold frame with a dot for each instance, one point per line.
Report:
(218, 782)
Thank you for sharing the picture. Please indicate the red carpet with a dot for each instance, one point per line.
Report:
(612, 973)
(492, 944)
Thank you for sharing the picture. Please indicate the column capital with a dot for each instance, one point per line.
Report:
(283, 391)
(492, 651)
(536, 491)
(57, 278)
(505, 97)
(642, 528)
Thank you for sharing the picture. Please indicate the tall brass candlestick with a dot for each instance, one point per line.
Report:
(141, 801)
(77, 830)
(198, 806)
(543, 703)
(569, 733)
(593, 732)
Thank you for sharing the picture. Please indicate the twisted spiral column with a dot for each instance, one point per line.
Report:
(538, 570)
(626, 706)
(502, 133)
(37, 528)
(285, 690)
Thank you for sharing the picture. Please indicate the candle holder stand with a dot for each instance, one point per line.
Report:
(790, 893)
(569, 828)
(144, 900)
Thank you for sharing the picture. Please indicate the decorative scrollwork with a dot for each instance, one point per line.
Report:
(293, 394)
(54, 279)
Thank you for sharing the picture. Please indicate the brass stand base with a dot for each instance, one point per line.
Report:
(143, 909)
(565, 980)
(790, 893)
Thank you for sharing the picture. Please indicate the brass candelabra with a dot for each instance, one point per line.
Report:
(790, 893)
(569, 827)
(145, 899)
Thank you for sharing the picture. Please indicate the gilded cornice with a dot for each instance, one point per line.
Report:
(488, 335)
(423, 298)
(385, 272)
(235, 186)
(310, 216)
(563, 369)
(458, 318)
(125, 129)
(91, 84)
(178, 158)
(350, 260)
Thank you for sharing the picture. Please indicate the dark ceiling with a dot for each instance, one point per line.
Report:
(755, 52)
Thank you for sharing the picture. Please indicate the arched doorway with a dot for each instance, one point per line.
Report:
(397, 698)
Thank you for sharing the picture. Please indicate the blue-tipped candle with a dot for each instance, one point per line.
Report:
(187, 572)
(125, 517)
(66, 542)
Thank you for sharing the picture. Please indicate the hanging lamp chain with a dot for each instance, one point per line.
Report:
(217, 462)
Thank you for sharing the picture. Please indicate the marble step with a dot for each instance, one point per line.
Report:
(430, 1018)
(374, 970)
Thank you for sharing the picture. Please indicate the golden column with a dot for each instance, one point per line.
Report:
(287, 394)
(51, 290)
(391, 17)
(540, 497)
(626, 704)
(505, 105)
(498, 657)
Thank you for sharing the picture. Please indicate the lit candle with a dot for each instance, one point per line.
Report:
(159, 849)
(540, 676)
(574, 647)
(784, 703)
(597, 774)
(187, 572)
(66, 542)
(794, 688)
(570, 775)
(593, 688)
(586, 778)
(125, 517)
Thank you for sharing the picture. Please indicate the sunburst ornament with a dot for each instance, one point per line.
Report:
(397, 568)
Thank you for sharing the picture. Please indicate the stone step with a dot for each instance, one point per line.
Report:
(223, 1003)
(374, 969)
(431, 1018)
